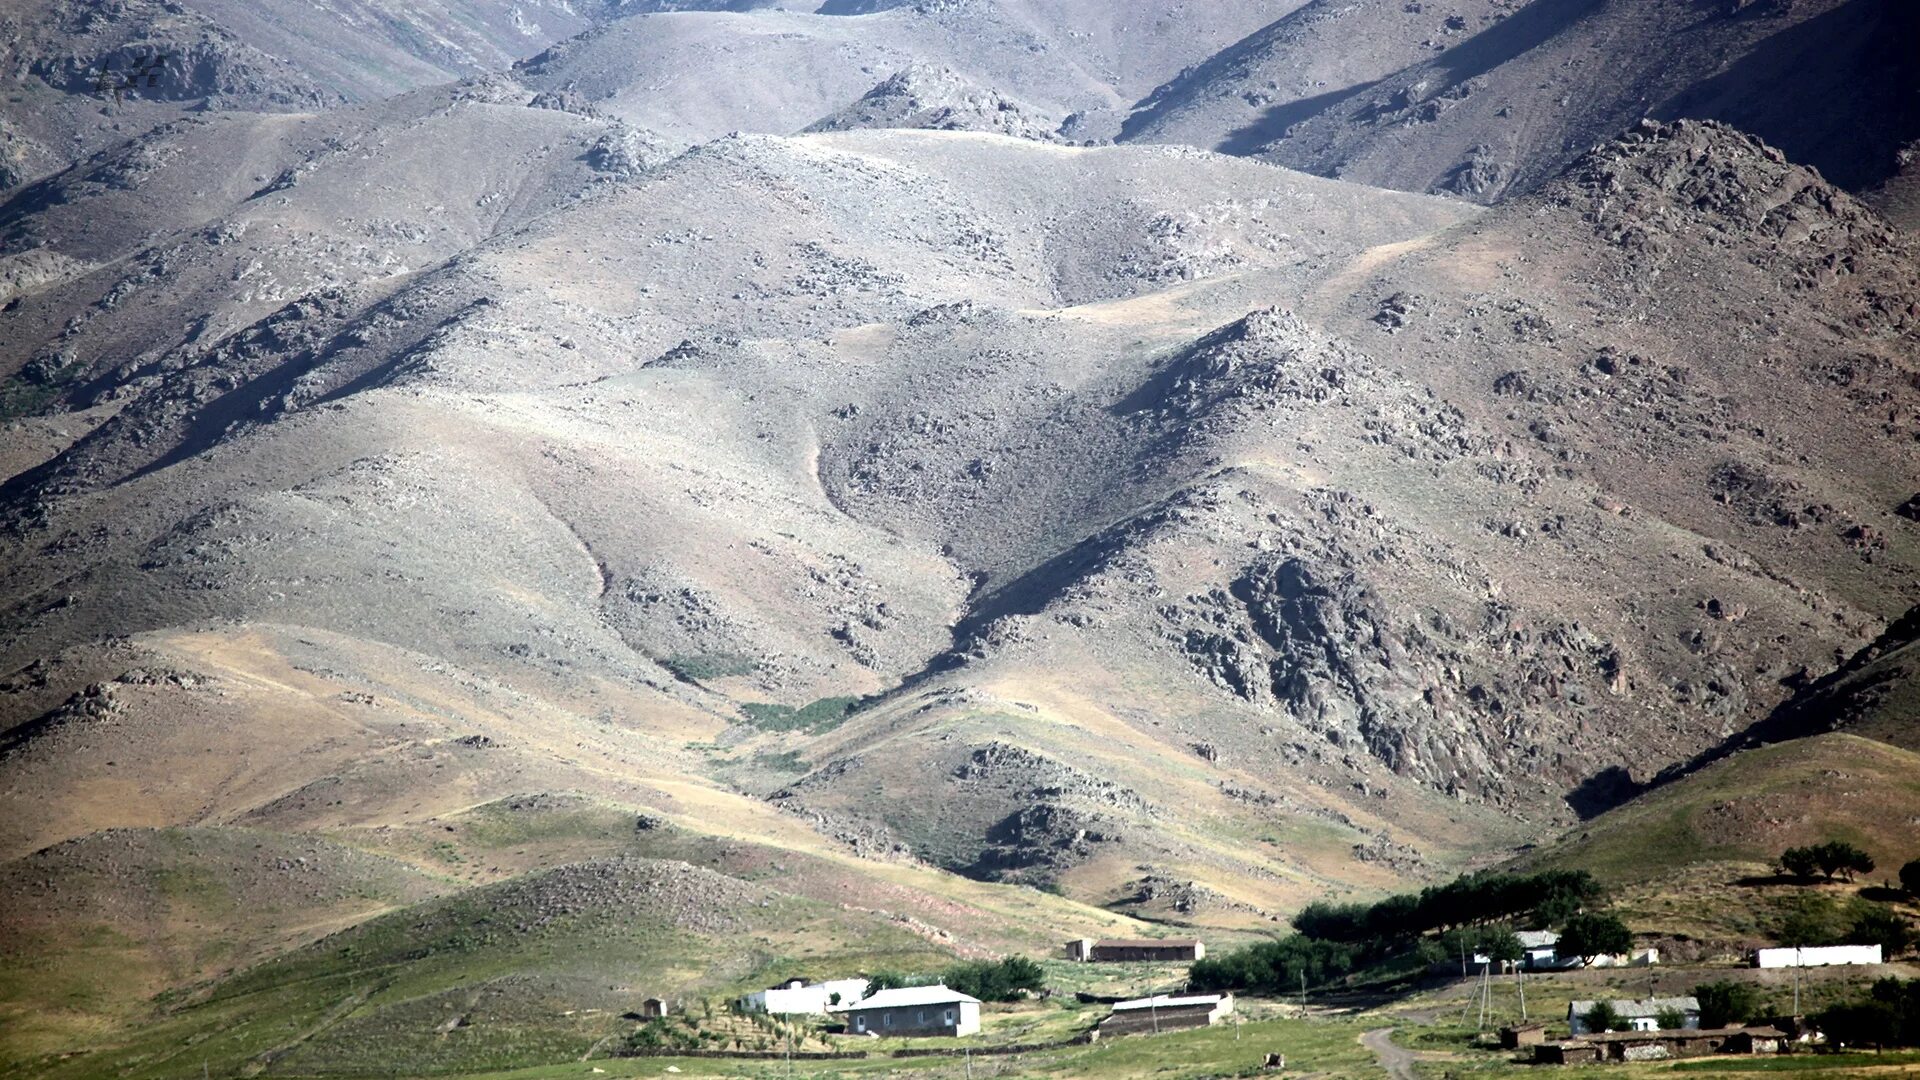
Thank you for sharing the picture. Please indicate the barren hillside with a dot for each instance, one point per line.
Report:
(786, 481)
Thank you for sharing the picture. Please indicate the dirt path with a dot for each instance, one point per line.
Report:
(1396, 1059)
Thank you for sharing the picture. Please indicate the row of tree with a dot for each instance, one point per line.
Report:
(1282, 966)
(1537, 900)
(1826, 860)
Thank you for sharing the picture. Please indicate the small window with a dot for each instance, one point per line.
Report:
(859, 1023)
(923, 1017)
(949, 1016)
(888, 1022)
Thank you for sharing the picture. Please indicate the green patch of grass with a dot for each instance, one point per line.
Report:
(1801, 1062)
(786, 762)
(702, 667)
(814, 718)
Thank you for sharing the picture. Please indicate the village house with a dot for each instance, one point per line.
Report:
(800, 998)
(1820, 956)
(1540, 951)
(915, 1011)
(1660, 1045)
(1165, 1013)
(1642, 1015)
(653, 1008)
(1136, 950)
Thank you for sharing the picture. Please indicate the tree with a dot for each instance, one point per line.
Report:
(1670, 1019)
(1837, 857)
(1800, 862)
(996, 980)
(1726, 1003)
(1593, 935)
(1863, 1023)
(1910, 878)
(1502, 946)
(1602, 1017)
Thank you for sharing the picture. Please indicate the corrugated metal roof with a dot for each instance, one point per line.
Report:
(908, 996)
(1147, 943)
(1646, 1007)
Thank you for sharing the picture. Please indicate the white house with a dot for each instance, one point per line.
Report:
(1819, 956)
(798, 998)
(1539, 950)
(914, 1011)
(1642, 1015)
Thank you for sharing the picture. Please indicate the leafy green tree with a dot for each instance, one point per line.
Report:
(1589, 936)
(1726, 1003)
(1861, 1023)
(1910, 878)
(1836, 857)
(893, 980)
(1800, 862)
(1502, 946)
(1670, 1019)
(1603, 1017)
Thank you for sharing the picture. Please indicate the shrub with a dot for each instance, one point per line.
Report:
(1670, 1019)
(1878, 924)
(1910, 878)
(1814, 921)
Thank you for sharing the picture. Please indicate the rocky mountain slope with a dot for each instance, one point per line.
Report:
(845, 500)
(1482, 98)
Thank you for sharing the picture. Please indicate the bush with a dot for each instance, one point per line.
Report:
(1724, 1004)
(1878, 924)
(1814, 921)
(1670, 1019)
(1910, 878)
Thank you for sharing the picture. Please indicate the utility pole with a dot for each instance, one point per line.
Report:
(1303, 993)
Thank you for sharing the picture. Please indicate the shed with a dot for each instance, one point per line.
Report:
(653, 1007)
(1123, 950)
(1519, 1035)
(1164, 1013)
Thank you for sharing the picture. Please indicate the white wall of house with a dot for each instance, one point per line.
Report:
(804, 1000)
(1822, 956)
